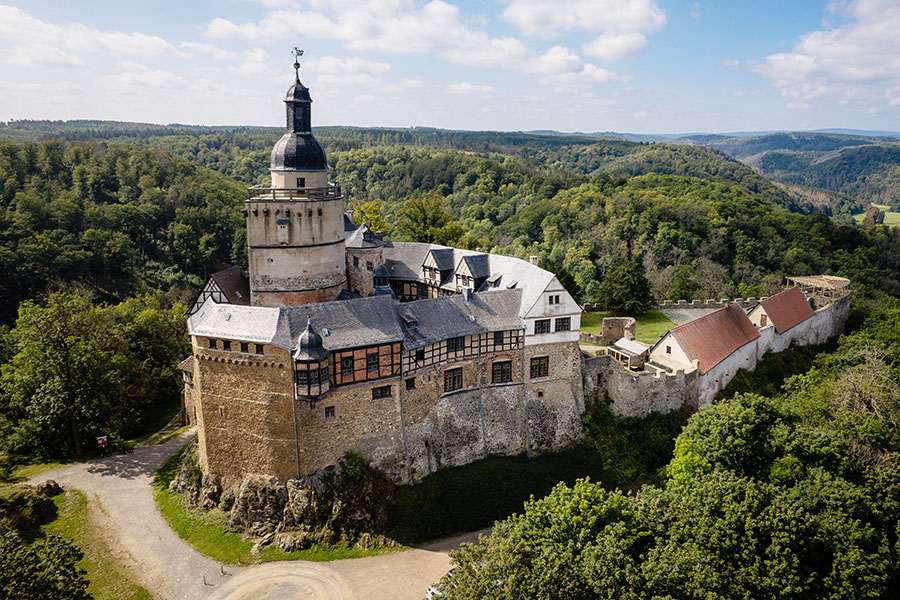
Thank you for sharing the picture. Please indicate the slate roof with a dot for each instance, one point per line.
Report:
(363, 238)
(451, 316)
(404, 261)
(714, 337)
(350, 324)
(246, 323)
(234, 284)
(787, 309)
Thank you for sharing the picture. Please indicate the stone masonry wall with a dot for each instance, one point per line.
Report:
(243, 405)
(640, 393)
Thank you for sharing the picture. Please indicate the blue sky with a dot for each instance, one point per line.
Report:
(644, 66)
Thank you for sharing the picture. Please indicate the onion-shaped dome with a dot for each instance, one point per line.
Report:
(298, 152)
(309, 345)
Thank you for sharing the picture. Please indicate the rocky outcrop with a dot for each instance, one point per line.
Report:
(344, 503)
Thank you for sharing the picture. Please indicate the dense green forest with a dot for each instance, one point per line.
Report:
(862, 169)
(792, 496)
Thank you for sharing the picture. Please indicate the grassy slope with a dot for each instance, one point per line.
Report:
(109, 578)
(650, 325)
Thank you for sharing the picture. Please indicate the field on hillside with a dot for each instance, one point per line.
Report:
(890, 218)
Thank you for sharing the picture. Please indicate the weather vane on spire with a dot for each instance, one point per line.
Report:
(297, 54)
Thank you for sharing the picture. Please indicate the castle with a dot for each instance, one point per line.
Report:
(416, 356)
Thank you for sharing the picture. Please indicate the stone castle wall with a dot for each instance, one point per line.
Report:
(640, 393)
(247, 421)
(359, 278)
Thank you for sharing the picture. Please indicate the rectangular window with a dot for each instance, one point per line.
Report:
(762, 320)
(540, 366)
(245, 347)
(498, 338)
(212, 344)
(668, 349)
(355, 261)
(456, 344)
(372, 362)
(369, 265)
(226, 345)
(453, 379)
(259, 348)
(346, 366)
(501, 371)
(330, 413)
(542, 326)
(420, 355)
(563, 324)
(301, 182)
(383, 391)
(302, 377)
(411, 383)
(550, 300)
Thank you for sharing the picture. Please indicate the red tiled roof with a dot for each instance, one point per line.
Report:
(787, 309)
(714, 337)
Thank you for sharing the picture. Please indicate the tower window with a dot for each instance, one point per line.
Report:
(355, 261)
(212, 344)
(301, 182)
(245, 347)
(226, 345)
(369, 265)
(259, 348)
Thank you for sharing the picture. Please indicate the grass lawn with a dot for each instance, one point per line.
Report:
(109, 578)
(22, 472)
(650, 325)
(207, 531)
(890, 218)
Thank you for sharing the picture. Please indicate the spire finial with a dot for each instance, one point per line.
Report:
(297, 54)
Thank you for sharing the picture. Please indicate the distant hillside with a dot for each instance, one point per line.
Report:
(861, 168)
(243, 152)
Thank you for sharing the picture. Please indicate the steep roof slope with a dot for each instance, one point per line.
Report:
(787, 309)
(714, 337)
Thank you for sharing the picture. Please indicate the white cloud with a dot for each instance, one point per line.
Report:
(333, 72)
(208, 50)
(21, 30)
(615, 46)
(253, 64)
(471, 89)
(748, 92)
(543, 18)
(589, 75)
(853, 63)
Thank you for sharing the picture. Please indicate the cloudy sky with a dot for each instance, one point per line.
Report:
(646, 66)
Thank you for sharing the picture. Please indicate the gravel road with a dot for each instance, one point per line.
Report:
(119, 486)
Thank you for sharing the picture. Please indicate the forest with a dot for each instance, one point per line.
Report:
(788, 489)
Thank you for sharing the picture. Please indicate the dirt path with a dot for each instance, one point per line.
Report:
(171, 569)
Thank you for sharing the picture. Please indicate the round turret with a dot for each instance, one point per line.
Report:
(309, 345)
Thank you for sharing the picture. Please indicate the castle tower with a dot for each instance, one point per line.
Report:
(295, 228)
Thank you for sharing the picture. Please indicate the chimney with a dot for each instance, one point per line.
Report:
(534, 260)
